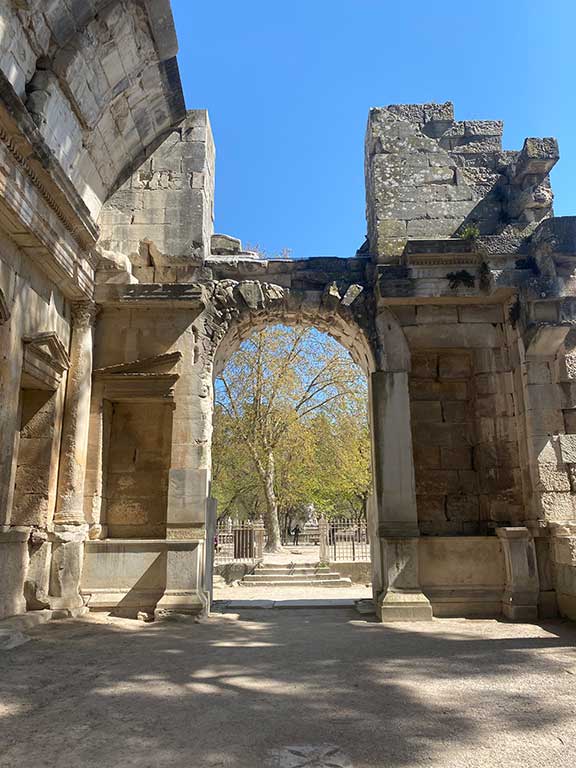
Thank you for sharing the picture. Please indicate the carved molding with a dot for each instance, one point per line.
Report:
(140, 380)
(76, 230)
(139, 387)
(45, 361)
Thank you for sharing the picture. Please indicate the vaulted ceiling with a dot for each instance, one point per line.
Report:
(99, 78)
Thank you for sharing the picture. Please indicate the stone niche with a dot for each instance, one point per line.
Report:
(465, 423)
(45, 361)
(137, 472)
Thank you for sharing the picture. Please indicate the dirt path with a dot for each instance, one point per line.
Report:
(287, 689)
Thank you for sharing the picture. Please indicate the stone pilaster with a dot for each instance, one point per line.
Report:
(96, 473)
(395, 556)
(564, 563)
(70, 527)
(188, 493)
(520, 601)
(10, 375)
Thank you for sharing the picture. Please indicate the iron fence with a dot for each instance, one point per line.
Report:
(344, 540)
(238, 541)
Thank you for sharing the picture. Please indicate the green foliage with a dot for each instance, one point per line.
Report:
(295, 395)
(469, 232)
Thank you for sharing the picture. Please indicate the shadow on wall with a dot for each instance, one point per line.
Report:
(228, 692)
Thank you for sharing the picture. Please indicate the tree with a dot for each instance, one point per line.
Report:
(288, 406)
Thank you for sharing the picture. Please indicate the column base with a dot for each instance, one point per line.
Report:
(520, 612)
(403, 606)
(68, 603)
(175, 602)
(66, 567)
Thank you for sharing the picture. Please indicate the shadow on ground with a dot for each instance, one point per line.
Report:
(230, 691)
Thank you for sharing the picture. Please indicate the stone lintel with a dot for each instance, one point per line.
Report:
(138, 387)
(172, 295)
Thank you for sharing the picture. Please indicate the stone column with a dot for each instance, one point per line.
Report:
(520, 602)
(401, 597)
(10, 376)
(70, 527)
(97, 464)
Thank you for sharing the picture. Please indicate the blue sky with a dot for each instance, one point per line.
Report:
(288, 85)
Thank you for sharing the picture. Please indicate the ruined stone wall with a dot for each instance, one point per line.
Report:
(162, 216)
(429, 176)
(107, 353)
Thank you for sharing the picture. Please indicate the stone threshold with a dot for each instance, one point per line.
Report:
(220, 606)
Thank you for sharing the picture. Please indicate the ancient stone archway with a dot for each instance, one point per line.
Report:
(458, 306)
(377, 344)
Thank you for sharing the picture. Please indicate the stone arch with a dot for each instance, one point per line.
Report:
(104, 88)
(237, 309)
(377, 343)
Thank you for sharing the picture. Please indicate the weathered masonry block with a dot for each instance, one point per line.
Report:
(119, 304)
(162, 215)
(430, 176)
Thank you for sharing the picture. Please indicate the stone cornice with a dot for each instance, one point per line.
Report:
(24, 142)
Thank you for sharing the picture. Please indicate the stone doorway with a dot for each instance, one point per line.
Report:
(322, 472)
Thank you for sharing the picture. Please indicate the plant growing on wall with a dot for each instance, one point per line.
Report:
(469, 232)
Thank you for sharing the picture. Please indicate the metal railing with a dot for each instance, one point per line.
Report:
(238, 541)
(331, 541)
(343, 540)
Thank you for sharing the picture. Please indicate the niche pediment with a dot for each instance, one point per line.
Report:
(45, 361)
(151, 378)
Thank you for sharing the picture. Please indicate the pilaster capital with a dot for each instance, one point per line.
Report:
(84, 314)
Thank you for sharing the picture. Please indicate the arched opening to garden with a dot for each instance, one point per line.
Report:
(291, 466)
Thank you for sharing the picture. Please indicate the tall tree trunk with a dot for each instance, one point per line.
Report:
(271, 523)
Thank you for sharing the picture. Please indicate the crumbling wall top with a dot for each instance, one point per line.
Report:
(430, 176)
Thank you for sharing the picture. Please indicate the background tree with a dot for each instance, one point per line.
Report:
(290, 430)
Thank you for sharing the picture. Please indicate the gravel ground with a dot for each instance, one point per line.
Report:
(302, 594)
(287, 689)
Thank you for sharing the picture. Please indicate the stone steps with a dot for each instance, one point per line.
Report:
(292, 571)
(339, 582)
(294, 575)
(258, 577)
